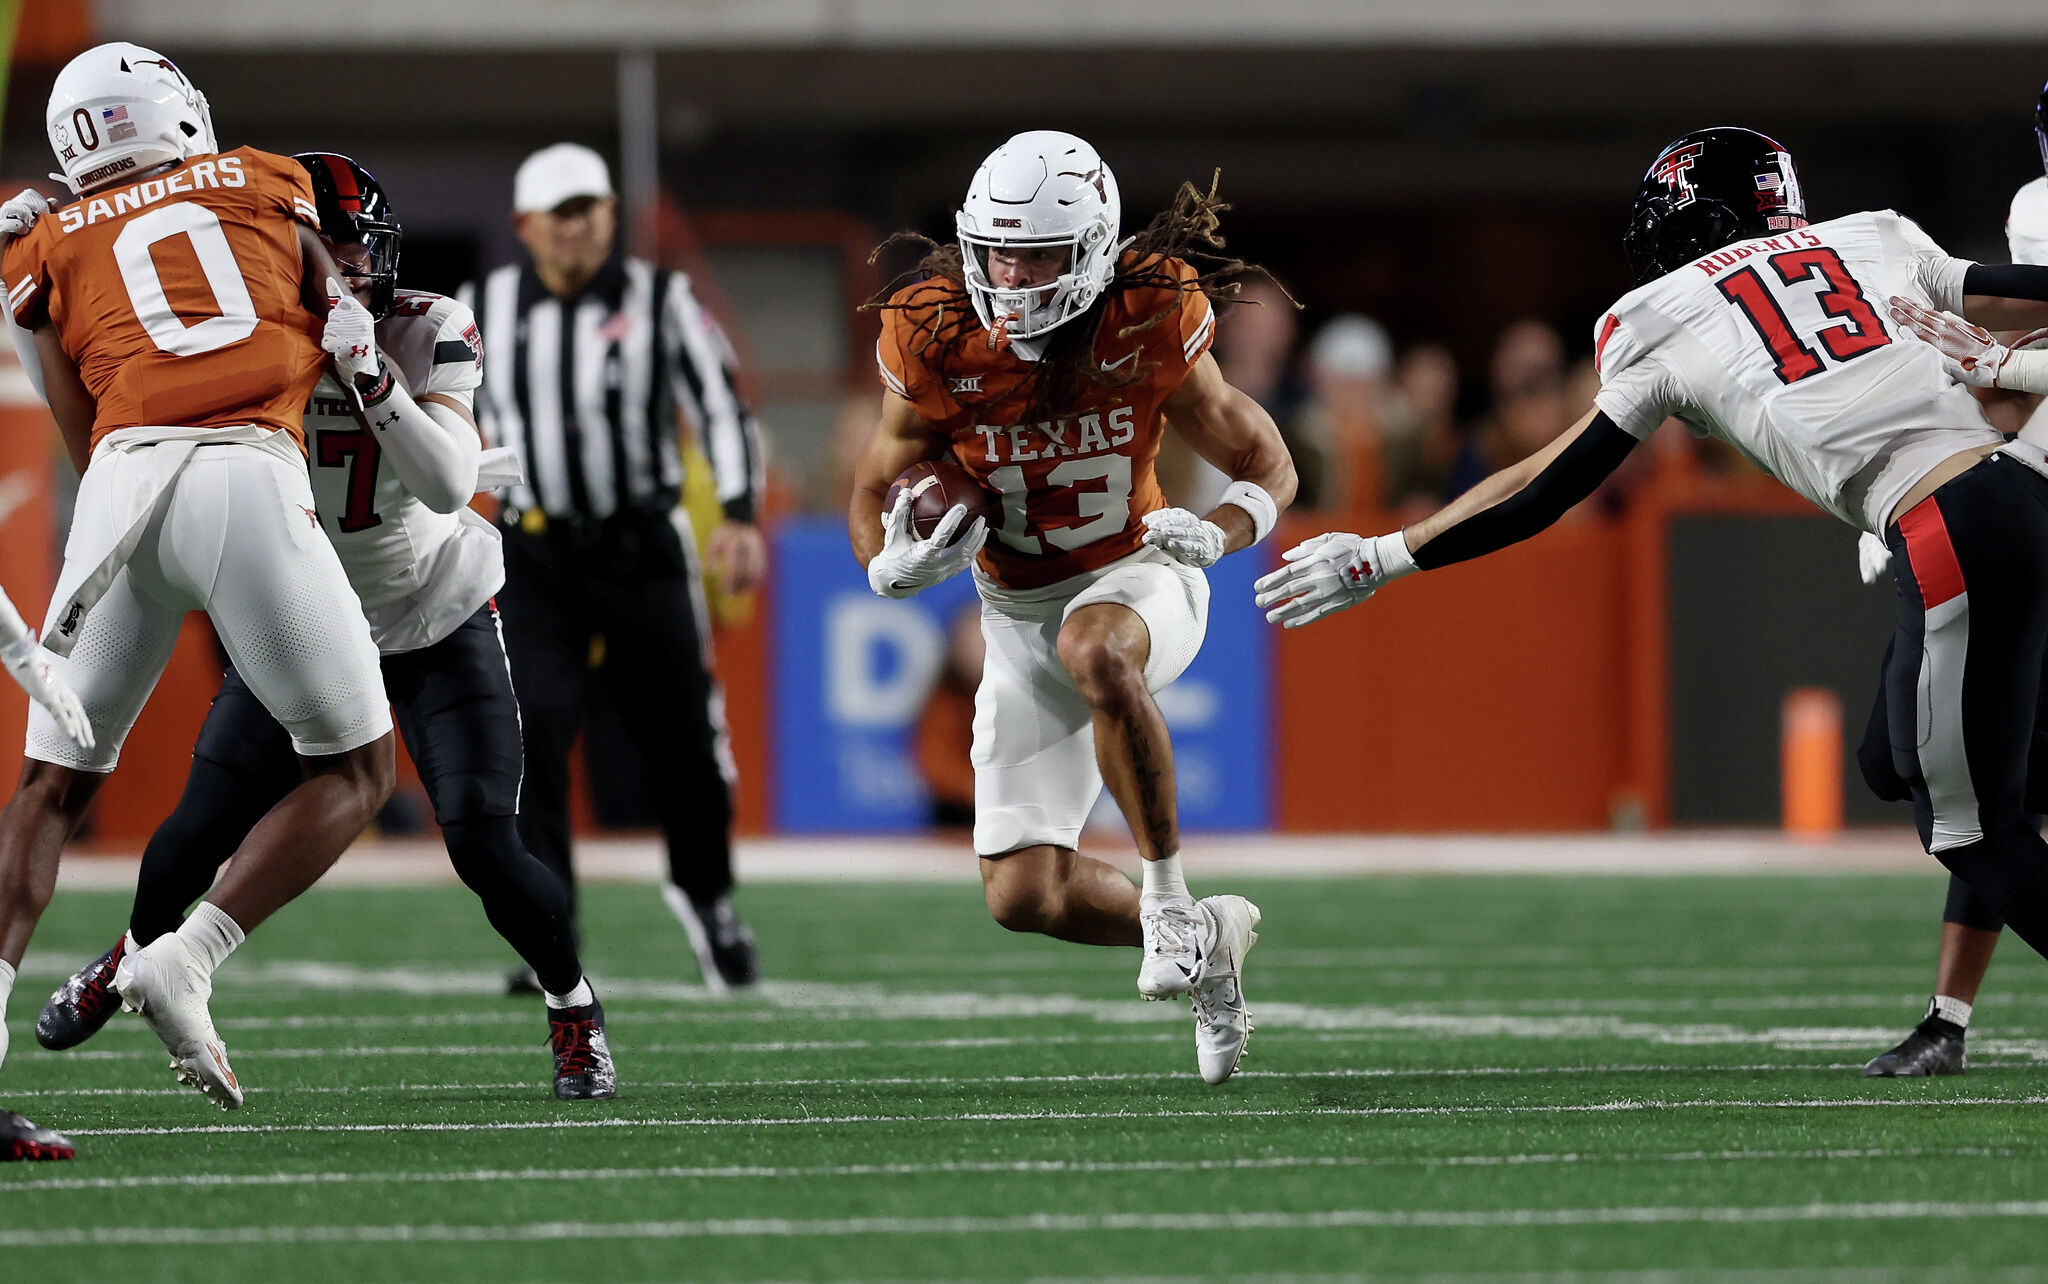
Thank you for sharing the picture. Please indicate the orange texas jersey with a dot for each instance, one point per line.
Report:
(178, 295)
(1074, 486)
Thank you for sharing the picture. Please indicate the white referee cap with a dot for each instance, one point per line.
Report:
(556, 174)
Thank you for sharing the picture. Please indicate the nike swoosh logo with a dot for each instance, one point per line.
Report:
(219, 1060)
(1111, 365)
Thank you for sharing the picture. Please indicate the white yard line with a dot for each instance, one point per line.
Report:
(1021, 1167)
(993, 1080)
(1622, 1106)
(1328, 1021)
(1178, 1222)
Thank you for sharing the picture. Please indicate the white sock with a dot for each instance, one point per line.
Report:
(130, 944)
(575, 998)
(210, 934)
(1162, 878)
(1951, 1010)
(6, 988)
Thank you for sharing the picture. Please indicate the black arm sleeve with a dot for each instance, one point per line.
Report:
(2007, 281)
(1550, 494)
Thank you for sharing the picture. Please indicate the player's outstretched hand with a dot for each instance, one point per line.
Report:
(1328, 574)
(1186, 538)
(1873, 559)
(350, 336)
(29, 664)
(19, 214)
(908, 565)
(1969, 352)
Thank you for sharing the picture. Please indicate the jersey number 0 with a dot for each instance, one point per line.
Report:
(237, 317)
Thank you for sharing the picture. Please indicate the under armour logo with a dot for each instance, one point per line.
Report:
(969, 383)
(1357, 574)
(359, 350)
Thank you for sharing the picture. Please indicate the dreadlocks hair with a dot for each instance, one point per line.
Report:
(1189, 229)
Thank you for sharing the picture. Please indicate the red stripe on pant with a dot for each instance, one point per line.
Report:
(1932, 557)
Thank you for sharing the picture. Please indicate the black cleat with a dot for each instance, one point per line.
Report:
(522, 981)
(82, 1004)
(20, 1139)
(583, 1060)
(1934, 1047)
(724, 946)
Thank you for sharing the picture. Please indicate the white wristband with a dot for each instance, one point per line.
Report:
(1394, 558)
(1253, 499)
(2025, 370)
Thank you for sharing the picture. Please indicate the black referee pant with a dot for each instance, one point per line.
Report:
(630, 580)
(1964, 679)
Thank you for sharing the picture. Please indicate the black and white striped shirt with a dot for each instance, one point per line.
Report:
(587, 390)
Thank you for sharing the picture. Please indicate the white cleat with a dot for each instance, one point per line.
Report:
(1223, 1025)
(1173, 947)
(164, 983)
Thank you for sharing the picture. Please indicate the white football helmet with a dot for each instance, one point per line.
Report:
(1043, 188)
(119, 109)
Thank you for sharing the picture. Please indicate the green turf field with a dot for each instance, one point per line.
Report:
(1452, 1076)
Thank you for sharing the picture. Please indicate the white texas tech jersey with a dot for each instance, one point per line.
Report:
(2026, 227)
(419, 573)
(1778, 346)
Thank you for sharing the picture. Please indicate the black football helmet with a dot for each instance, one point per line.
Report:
(1708, 189)
(2041, 125)
(353, 209)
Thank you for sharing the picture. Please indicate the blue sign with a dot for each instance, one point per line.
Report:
(852, 671)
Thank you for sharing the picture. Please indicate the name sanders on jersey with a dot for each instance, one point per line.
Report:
(1799, 240)
(223, 171)
(1095, 432)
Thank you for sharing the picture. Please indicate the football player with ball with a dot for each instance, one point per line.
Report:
(1029, 377)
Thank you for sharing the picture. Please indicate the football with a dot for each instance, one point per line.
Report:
(936, 486)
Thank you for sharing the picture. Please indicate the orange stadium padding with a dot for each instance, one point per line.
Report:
(28, 543)
(1484, 696)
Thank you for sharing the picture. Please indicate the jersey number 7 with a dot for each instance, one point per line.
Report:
(358, 452)
(1859, 332)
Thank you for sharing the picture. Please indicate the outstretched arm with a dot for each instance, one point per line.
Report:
(2006, 296)
(1334, 572)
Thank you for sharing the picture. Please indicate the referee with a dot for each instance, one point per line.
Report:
(592, 357)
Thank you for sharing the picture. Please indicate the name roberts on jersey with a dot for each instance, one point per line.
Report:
(1075, 486)
(419, 573)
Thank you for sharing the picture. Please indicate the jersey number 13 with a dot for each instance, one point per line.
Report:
(1859, 331)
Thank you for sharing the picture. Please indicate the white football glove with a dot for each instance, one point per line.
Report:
(350, 336)
(29, 665)
(1186, 538)
(1968, 351)
(1331, 573)
(18, 215)
(908, 565)
(1873, 559)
